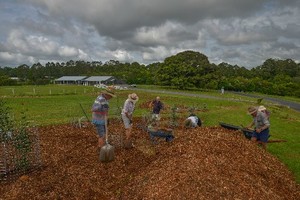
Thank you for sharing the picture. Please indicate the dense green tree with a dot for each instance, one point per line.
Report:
(6, 80)
(184, 70)
(23, 72)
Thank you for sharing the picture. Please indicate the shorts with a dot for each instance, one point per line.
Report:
(100, 126)
(262, 136)
(126, 121)
(100, 130)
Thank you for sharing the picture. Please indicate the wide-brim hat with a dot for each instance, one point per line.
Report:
(109, 91)
(252, 110)
(261, 108)
(133, 97)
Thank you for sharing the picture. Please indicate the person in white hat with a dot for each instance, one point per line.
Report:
(99, 111)
(264, 110)
(261, 125)
(127, 113)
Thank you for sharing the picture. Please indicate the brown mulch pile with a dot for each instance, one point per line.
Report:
(201, 163)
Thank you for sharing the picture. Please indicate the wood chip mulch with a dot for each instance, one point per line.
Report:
(200, 163)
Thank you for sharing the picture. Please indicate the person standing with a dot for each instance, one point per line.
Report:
(222, 90)
(99, 110)
(127, 113)
(156, 105)
(261, 125)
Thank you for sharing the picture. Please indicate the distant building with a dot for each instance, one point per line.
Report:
(14, 78)
(94, 80)
(85, 80)
(70, 80)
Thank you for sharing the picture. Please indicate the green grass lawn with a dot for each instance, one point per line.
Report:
(62, 105)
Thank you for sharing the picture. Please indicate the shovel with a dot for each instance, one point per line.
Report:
(107, 152)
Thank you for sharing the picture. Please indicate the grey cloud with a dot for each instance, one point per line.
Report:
(292, 31)
(148, 31)
(166, 34)
(285, 50)
(119, 18)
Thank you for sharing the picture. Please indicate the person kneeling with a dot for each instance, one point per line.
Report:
(260, 120)
(192, 121)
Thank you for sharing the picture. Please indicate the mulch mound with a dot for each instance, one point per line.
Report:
(201, 163)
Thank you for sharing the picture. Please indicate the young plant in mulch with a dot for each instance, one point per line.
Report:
(22, 144)
(15, 139)
(6, 122)
(118, 110)
(192, 110)
(174, 117)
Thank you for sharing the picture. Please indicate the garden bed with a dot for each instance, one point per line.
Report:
(200, 163)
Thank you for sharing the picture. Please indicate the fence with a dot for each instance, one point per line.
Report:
(19, 154)
(48, 90)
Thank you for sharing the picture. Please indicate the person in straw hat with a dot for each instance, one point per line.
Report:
(127, 113)
(261, 125)
(99, 111)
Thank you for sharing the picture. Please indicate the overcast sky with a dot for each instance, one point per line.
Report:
(242, 32)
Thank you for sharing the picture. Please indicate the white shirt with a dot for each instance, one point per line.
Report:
(194, 120)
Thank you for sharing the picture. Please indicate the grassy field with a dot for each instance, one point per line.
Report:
(57, 104)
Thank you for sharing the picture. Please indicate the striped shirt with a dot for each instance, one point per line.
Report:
(128, 107)
(100, 109)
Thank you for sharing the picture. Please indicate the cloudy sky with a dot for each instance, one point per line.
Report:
(242, 32)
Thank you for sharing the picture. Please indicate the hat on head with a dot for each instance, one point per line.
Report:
(252, 110)
(109, 91)
(133, 97)
(261, 108)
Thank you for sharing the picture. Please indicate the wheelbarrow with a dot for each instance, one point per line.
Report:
(166, 134)
(247, 132)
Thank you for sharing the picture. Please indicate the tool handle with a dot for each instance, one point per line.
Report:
(106, 130)
(84, 112)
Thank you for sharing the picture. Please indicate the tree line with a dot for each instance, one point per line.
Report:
(185, 70)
